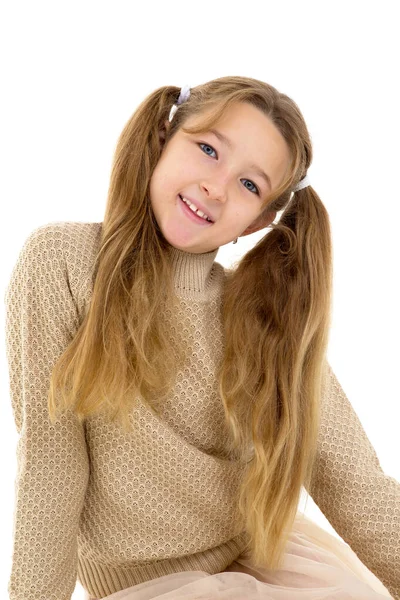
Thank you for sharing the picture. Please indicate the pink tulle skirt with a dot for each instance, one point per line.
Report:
(317, 566)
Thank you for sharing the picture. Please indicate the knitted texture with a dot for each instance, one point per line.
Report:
(114, 509)
(360, 501)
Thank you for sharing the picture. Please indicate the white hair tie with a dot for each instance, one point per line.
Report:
(183, 96)
(305, 182)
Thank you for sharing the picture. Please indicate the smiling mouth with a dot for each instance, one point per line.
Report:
(194, 213)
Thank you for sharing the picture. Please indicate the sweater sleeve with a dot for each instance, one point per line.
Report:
(361, 502)
(52, 460)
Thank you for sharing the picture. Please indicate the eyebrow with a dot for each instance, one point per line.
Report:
(229, 143)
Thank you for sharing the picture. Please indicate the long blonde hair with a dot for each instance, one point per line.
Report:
(276, 312)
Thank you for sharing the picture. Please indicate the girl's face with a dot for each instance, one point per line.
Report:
(221, 178)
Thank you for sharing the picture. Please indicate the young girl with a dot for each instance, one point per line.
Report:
(170, 411)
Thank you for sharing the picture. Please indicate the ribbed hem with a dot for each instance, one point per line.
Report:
(102, 580)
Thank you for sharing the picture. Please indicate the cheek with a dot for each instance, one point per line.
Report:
(243, 217)
(159, 182)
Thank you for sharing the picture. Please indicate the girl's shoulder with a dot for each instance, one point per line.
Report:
(69, 248)
(69, 235)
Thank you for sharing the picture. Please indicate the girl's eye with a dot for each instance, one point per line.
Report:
(257, 191)
(207, 146)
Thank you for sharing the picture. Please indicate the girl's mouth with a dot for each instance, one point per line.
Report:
(192, 215)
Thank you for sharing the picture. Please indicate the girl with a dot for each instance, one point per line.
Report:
(170, 410)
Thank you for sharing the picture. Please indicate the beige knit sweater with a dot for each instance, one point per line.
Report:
(115, 509)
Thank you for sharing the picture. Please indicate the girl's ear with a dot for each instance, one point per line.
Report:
(163, 131)
(262, 221)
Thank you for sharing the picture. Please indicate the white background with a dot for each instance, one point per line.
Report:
(72, 73)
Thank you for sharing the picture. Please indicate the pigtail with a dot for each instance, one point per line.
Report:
(276, 314)
(124, 347)
(136, 155)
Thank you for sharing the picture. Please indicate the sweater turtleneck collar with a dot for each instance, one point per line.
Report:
(193, 273)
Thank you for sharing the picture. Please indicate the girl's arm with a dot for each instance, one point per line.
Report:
(53, 466)
(360, 501)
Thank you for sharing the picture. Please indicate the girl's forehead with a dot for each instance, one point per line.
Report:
(237, 118)
(240, 122)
